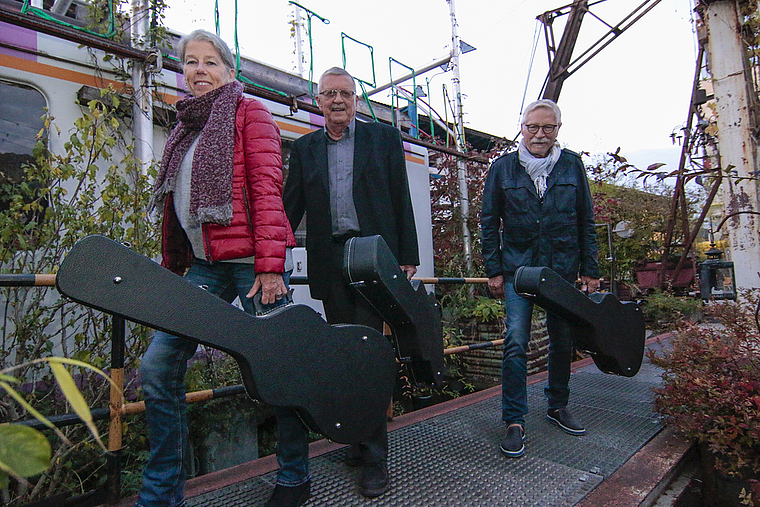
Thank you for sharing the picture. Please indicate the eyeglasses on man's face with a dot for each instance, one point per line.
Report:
(331, 94)
(533, 129)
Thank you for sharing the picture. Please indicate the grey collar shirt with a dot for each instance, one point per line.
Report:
(340, 164)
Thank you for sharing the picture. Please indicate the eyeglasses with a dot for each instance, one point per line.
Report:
(331, 94)
(533, 129)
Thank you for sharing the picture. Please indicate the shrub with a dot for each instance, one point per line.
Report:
(666, 311)
(711, 388)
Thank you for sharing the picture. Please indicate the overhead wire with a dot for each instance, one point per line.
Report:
(530, 64)
(530, 71)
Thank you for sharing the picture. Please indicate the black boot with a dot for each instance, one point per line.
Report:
(375, 480)
(290, 496)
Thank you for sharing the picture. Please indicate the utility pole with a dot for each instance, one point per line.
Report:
(738, 152)
(142, 80)
(299, 50)
(464, 196)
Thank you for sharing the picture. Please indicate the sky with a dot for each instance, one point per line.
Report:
(631, 96)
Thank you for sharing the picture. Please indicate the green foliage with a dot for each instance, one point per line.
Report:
(484, 309)
(90, 184)
(711, 385)
(448, 243)
(666, 311)
(24, 451)
(210, 369)
(618, 197)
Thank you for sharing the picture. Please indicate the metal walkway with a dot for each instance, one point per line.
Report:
(448, 455)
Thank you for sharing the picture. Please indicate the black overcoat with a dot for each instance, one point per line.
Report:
(381, 197)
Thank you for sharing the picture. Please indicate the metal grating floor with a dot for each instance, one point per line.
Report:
(454, 460)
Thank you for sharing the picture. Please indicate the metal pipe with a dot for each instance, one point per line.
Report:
(98, 414)
(123, 51)
(61, 6)
(473, 346)
(15, 280)
(450, 281)
(48, 280)
(406, 77)
(115, 427)
(299, 42)
(142, 79)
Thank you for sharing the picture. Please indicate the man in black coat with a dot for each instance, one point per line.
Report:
(350, 180)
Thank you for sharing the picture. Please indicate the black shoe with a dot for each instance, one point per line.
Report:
(290, 496)
(375, 480)
(562, 418)
(513, 443)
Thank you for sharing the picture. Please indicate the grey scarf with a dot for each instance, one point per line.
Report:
(538, 168)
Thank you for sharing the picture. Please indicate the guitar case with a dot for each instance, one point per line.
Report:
(339, 378)
(611, 331)
(413, 315)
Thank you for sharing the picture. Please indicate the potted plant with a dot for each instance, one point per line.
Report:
(711, 393)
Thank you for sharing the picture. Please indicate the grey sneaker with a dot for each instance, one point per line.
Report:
(562, 418)
(513, 443)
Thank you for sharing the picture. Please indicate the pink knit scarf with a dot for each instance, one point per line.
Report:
(213, 114)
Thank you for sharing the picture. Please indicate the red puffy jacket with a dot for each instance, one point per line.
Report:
(259, 226)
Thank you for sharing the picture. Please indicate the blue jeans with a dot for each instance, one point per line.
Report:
(163, 371)
(514, 393)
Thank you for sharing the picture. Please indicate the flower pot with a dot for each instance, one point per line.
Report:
(420, 401)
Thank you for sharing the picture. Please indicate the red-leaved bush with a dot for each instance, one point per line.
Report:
(711, 388)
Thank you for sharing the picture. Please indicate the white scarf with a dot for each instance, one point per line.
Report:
(538, 168)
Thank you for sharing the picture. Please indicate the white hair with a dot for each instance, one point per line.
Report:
(546, 104)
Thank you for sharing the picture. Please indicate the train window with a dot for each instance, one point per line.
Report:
(21, 111)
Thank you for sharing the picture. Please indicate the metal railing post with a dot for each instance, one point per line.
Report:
(115, 429)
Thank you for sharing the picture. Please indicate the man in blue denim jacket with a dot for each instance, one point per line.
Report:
(537, 211)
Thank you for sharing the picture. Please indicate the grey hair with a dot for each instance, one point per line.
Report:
(546, 104)
(336, 71)
(204, 36)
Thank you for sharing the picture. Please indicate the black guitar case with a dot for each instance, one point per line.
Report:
(413, 315)
(339, 377)
(613, 332)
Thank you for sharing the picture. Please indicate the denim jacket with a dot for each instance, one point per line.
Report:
(519, 229)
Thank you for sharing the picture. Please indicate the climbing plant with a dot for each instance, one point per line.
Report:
(93, 185)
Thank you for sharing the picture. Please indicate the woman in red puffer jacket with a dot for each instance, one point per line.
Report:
(224, 228)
